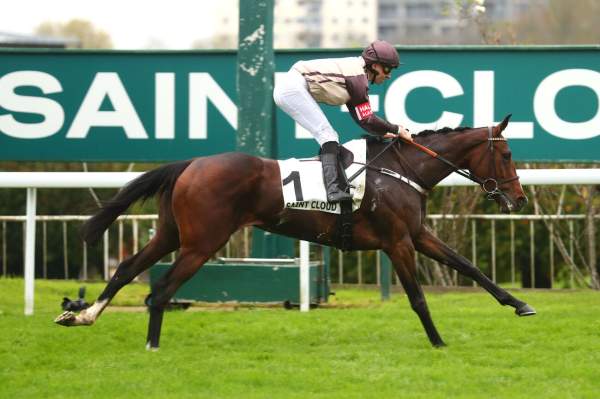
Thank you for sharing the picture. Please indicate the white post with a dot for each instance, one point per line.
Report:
(30, 251)
(105, 251)
(304, 276)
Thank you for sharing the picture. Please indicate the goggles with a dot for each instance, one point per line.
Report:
(387, 69)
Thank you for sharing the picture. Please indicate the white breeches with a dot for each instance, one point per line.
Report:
(291, 95)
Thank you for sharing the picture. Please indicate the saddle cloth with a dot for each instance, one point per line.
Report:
(302, 181)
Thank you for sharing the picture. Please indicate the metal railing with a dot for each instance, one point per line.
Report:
(481, 235)
(141, 227)
(480, 240)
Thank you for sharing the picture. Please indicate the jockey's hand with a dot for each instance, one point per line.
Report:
(402, 132)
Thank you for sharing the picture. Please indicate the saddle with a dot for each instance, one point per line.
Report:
(302, 187)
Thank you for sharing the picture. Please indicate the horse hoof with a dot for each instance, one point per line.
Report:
(525, 310)
(440, 345)
(66, 319)
(150, 348)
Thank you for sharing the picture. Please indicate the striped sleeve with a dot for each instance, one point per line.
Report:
(359, 107)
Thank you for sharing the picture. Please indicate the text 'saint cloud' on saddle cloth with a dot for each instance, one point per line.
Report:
(302, 181)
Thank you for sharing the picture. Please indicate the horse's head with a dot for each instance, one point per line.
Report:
(492, 162)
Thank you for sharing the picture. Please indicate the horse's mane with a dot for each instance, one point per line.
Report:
(378, 139)
(443, 130)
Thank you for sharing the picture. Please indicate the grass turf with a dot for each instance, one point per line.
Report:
(368, 349)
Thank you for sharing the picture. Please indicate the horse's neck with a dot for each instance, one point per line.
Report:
(454, 146)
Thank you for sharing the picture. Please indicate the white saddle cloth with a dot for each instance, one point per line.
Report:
(302, 181)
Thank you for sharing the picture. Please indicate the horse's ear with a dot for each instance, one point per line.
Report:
(500, 128)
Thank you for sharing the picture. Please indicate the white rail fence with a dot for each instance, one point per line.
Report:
(33, 180)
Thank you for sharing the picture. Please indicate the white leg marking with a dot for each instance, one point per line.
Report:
(88, 316)
(149, 348)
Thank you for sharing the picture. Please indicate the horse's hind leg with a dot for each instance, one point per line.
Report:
(430, 245)
(187, 263)
(403, 259)
(165, 241)
(199, 243)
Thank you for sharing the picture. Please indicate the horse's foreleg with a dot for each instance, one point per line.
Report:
(186, 264)
(433, 247)
(125, 273)
(403, 259)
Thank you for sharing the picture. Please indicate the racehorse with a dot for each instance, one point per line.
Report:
(202, 202)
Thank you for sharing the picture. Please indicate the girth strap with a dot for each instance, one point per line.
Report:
(344, 227)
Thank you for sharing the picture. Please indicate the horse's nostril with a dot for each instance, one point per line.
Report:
(522, 201)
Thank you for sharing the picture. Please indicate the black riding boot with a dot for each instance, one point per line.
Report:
(331, 173)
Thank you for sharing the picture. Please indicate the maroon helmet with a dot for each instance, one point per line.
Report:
(381, 52)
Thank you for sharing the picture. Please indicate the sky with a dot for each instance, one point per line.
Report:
(131, 24)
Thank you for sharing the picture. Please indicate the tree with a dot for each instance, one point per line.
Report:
(560, 22)
(84, 31)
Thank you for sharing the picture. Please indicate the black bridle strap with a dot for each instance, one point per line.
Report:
(366, 165)
(434, 154)
(469, 175)
(426, 150)
(456, 169)
(495, 190)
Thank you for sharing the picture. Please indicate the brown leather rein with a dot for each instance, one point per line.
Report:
(490, 185)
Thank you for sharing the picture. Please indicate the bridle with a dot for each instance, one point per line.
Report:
(490, 185)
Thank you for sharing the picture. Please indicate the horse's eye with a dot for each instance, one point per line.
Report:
(506, 156)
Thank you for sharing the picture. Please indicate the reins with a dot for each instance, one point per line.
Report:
(455, 168)
(366, 165)
(491, 191)
(490, 185)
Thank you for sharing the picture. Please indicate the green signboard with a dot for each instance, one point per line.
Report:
(163, 106)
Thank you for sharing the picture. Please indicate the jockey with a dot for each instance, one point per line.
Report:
(337, 81)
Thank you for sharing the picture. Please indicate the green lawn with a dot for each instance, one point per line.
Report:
(368, 349)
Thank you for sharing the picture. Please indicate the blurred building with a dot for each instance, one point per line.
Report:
(442, 21)
(306, 23)
(355, 23)
(324, 23)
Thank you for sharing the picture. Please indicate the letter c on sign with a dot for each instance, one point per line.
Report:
(395, 98)
(544, 100)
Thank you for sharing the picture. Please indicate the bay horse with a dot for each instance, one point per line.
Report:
(203, 201)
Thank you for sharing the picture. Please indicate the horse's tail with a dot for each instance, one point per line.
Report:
(160, 180)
